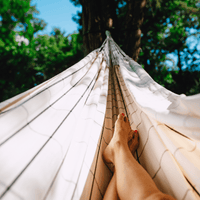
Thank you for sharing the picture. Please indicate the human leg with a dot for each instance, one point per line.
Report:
(111, 191)
(132, 181)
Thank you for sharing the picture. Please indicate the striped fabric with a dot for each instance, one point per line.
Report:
(52, 136)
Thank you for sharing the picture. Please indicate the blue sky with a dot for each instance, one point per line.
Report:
(191, 42)
(57, 13)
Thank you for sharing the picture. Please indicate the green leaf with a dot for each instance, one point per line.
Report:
(7, 48)
(2, 44)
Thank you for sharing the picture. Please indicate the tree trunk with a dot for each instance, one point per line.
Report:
(97, 17)
(133, 22)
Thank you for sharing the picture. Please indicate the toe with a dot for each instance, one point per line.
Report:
(127, 121)
(121, 116)
(136, 135)
(134, 142)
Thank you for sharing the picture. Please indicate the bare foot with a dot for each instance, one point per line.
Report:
(122, 134)
(133, 143)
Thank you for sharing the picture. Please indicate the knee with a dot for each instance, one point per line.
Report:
(160, 196)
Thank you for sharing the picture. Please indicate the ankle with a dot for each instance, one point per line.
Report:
(119, 143)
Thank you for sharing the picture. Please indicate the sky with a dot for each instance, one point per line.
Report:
(57, 13)
(191, 42)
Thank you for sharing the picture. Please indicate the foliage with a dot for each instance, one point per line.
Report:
(27, 60)
(169, 27)
(170, 24)
(21, 15)
(166, 29)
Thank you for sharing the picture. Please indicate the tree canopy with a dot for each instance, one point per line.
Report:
(27, 60)
(147, 30)
(158, 27)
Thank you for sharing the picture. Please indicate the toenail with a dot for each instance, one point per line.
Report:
(122, 114)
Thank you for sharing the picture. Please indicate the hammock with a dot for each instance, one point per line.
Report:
(53, 135)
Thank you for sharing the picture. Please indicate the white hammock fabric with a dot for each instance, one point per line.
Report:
(52, 136)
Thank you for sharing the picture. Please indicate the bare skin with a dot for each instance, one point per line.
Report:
(111, 192)
(130, 180)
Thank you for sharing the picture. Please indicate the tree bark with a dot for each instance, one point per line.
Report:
(133, 22)
(97, 17)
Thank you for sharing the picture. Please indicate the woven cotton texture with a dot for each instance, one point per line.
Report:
(52, 136)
